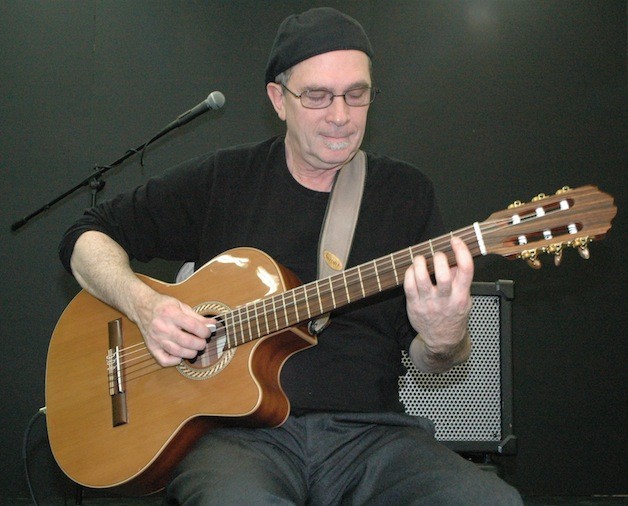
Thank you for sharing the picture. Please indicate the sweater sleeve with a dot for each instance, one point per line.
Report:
(160, 218)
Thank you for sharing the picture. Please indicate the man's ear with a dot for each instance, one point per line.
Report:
(275, 93)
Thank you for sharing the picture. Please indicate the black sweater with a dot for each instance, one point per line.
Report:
(246, 196)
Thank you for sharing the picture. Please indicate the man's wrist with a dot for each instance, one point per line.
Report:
(435, 361)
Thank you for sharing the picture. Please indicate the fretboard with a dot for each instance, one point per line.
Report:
(268, 315)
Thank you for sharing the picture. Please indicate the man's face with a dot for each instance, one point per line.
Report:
(322, 139)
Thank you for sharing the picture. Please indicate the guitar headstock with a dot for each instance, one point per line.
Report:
(550, 223)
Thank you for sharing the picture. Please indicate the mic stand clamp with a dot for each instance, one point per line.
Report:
(96, 184)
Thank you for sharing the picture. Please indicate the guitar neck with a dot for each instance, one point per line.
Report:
(571, 218)
(265, 316)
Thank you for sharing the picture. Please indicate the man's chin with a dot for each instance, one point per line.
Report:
(336, 154)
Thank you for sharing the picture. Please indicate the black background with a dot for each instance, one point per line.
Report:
(494, 100)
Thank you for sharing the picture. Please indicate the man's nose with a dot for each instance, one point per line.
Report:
(338, 111)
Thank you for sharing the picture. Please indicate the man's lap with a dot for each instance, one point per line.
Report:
(333, 458)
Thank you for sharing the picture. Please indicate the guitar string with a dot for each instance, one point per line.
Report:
(362, 273)
(128, 359)
(138, 352)
(365, 273)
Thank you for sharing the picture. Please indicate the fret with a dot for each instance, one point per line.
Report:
(361, 282)
(331, 291)
(339, 289)
(394, 267)
(230, 335)
(296, 308)
(379, 283)
(311, 293)
(372, 282)
(411, 254)
(386, 271)
(307, 303)
(296, 301)
(303, 295)
(283, 308)
(265, 313)
(237, 331)
(256, 318)
(344, 281)
(234, 327)
(290, 308)
(352, 286)
(240, 334)
(318, 295)
(275, 313)
(227, 328)
(247, 319)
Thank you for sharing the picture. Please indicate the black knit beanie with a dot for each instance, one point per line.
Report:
(314, 32)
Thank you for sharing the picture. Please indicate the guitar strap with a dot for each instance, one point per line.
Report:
(338, 227)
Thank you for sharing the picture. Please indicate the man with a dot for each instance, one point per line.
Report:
(347, 439)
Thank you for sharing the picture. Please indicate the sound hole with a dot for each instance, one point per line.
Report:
(214, 358)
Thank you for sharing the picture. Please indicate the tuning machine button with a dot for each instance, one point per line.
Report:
(530, 256)
(584, 252)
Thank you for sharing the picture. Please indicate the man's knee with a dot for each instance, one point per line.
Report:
(485, 488)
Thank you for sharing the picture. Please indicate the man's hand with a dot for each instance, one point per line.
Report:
(172, 330)
(439, 312)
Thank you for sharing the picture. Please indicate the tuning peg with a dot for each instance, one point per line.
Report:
(540, 196)
(564, 189)
(516, 203)
(535, 263)
(584, 252)
(557, 251)
(582, 245)
(530, 256)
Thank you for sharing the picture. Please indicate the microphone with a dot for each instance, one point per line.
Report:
(214, 101)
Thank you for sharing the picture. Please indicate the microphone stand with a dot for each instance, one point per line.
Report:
(94, 182)
(215, 100)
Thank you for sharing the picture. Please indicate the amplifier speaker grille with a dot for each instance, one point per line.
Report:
(471, 405)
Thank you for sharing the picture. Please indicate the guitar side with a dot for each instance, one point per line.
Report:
(165, 410)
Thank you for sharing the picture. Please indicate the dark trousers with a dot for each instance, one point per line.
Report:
(329, 459)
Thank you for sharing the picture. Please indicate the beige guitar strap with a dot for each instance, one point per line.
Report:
(338, 228)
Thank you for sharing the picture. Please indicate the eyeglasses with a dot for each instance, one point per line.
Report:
(320, 99)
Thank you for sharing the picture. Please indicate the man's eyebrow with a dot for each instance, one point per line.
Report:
(352, 86)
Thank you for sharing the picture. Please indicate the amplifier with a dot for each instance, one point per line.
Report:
(471, 405)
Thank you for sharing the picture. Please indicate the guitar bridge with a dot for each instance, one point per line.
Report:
(115, 373)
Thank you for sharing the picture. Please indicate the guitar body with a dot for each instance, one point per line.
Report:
(165, 410)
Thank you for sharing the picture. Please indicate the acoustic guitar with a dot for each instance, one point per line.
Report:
(116, 419)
